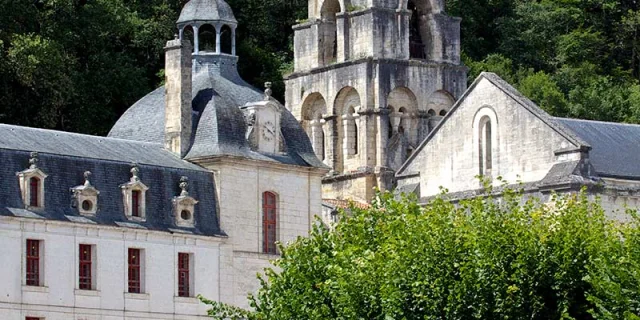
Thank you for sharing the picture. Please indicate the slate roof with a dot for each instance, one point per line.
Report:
(615, 147)
(64, 157)
(207, 10)
(219, 126)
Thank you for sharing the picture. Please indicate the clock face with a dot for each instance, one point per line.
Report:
(268, 131)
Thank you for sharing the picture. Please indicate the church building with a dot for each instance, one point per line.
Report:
(496, 133)
(371, 79)
(189, 193)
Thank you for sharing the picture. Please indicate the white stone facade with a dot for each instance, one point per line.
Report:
(59, 297)
(241, 185)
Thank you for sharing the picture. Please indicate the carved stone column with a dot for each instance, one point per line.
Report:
(330, 158)
(317, 138)
(382, 122)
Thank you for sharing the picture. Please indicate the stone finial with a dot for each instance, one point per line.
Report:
(33, 160)
(87, 176)
(135, 171)
(184, 185)
(267, 91)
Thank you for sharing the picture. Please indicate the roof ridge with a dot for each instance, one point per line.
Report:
(52, 131)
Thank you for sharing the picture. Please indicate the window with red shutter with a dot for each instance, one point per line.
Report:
(183, 275)
(34, 192)
(269, 222)
(85, 266)
(33, 262)
(135, 203)
(134, 271)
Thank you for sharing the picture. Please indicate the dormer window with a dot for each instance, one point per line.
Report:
(184, 206)
(85, 196)
(134, 196)
(32, 184)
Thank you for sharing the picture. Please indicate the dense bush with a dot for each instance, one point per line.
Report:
(480, 259)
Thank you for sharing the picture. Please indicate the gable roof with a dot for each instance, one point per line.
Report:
(615, 147)
(509, 90)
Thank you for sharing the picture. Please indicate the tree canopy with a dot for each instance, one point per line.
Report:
(512, 258)
(76, 65)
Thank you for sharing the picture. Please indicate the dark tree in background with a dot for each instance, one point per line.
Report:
(77, 65)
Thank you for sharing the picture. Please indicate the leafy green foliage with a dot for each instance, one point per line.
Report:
(485, 258)
(77, 65)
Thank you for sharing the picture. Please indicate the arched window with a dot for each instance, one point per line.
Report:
(225, 40)
(485, 147)
(416, 46)
(269, 222)
(329, 31)
(187, 34)
(443, 113)
(207, 38)
(34, 192)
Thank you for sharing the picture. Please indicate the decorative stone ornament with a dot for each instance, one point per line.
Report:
(85, 197)
(184, 206)
(32, 184)
(134, 196)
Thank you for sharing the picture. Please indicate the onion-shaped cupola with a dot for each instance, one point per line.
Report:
(210, 25)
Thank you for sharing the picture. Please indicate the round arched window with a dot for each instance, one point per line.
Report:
(185, 215)
(87, 205)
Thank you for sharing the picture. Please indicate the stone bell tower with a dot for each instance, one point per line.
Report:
(371, 78)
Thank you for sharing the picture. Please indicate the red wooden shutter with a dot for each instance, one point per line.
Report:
(135, 203)
(269, 222)
(134, 270)
(85, 281)
(183, 275)
(34, 190)
(33, 262)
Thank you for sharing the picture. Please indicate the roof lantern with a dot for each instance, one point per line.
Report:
(210, 25)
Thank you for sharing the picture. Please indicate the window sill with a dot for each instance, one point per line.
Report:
(136, 219)
(41, 289)
(191, 300)
(88, 293)
(136, 296)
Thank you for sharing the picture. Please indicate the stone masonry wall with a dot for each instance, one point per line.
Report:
(523, 145)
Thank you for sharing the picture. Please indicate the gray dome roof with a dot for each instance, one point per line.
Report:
(207, 10)
(219, 126)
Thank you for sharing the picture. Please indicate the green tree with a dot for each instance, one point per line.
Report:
(484, 258)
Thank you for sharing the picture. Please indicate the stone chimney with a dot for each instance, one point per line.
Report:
(178, 111)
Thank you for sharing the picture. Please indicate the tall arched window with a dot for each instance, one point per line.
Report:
(329, 31)
(226, 40)
(416, 46)
(208, 38)
(485, 145)
(34, 192)
(269, 222)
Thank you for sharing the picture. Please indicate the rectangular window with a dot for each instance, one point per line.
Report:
(32, 318)
(135, 203)
(184, 275)
(269, 223)
(33, 262)
(135, 272)
(85, 267)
